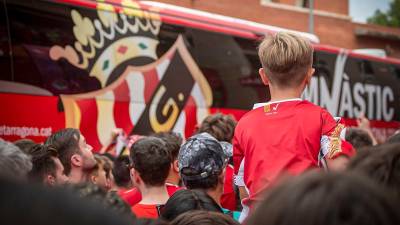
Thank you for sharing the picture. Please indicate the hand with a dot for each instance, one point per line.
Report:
(363, 122)
(116, 132)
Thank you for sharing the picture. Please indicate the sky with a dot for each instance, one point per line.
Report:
(360, 10)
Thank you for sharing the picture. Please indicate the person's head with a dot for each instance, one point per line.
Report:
(25, 144)
(14, 163)
(109, 200)
(187, 200)
(37, 205)
(150, 162)
(200, 217)
(121, 173)
(326, 199)
(173, 142)
(108, 166)
(46, 166)
(358, 137)
(381, 164)
(286, 61)
(202, 162)
(73, 151)
(98, 175)
(219, 126)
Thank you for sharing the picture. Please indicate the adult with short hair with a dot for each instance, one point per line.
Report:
(47, 167)
(202, 164)
(173, 142)
(74, 152)
(222, 128)
(149, 170)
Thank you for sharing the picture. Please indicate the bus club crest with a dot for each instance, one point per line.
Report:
(170, 93)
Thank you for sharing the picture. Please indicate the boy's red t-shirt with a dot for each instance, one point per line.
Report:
(133, 195)
(283, 137)
(145, 211)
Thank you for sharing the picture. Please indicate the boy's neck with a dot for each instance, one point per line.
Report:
(154, 195)
(278, 94)
(173, 178)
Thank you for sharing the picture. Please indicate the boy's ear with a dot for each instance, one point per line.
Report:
(175, 166)
(263, 76)
(135, 177)
(310, 73)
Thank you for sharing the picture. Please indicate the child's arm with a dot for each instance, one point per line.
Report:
(331, 143)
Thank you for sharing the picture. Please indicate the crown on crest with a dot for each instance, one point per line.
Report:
(115, 36)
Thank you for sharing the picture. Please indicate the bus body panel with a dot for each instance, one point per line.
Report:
(149, 67)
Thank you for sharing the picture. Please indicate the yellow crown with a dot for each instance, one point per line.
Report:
(115, 36)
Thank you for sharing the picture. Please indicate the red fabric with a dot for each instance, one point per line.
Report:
(133, 196)
(279, 138)
(228, 198)
(347, 150)
(145, 211)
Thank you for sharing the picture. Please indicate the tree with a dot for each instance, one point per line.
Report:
(391, 18)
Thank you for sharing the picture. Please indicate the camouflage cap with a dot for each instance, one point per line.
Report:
(201, 156)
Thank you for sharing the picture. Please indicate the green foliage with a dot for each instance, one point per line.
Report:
(390, 18)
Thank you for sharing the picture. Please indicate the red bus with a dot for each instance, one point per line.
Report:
(148, 67)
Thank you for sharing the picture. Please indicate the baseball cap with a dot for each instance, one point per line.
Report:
(200, 157)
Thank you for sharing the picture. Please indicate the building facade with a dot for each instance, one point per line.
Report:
(332, 23)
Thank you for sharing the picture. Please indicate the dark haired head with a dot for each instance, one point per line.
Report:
(25, 144)
(380, 163)
(327, 199)
(173, 142)
(150, 158)
(121, 173)
(219, 126)
(358, 137)
(43, 163)
(36, 205)
(187, 200)
(66, 141)
(108, 200)
(200, 217)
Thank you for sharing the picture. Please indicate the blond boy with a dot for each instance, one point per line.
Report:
(286, 135)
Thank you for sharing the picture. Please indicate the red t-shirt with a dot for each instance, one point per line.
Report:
(133, 196)
(145, 211)
(283, 137)
(228, 198)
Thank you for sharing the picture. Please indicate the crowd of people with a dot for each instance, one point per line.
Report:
(285, 162)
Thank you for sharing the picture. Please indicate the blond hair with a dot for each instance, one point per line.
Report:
(286, 58)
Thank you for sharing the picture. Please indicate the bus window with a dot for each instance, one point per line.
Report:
(34, 29)
(228, 62)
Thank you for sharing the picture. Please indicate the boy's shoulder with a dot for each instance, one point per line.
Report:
(300, 107)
